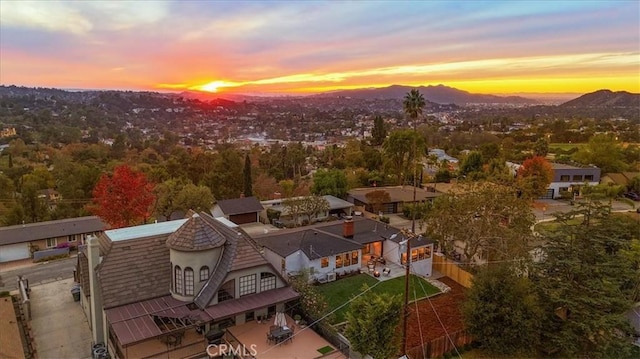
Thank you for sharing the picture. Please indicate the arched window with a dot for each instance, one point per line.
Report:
(204, 273)
(177, 278)
(188, 281)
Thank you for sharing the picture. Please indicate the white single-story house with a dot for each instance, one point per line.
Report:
(324, 248)
(20, 241)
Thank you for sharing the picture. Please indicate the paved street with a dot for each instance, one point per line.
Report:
(552, 206)
(38, 273)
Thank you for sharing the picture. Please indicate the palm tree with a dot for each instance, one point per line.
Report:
(413, 105)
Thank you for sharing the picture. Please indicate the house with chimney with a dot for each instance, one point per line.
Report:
(329, 250)
(166, 289)
(338, 208)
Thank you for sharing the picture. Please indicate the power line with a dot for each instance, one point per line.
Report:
(441, 324)
(325, 316)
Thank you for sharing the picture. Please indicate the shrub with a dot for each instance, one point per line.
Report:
(384, 219)
(4, 294)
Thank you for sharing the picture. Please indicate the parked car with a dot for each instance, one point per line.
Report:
(632, 196)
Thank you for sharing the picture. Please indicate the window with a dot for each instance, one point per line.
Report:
(283, 265)
(564, 178)
(427, 252)
(177, 277)
(171, 285)
(347, 260)
(354, 257)
(188, 281)
(204, 273)
(324, 262)
(588, 178)
(339, 261)
(414, 255)
(52, 242)
(267, 281)
(577, 177)
(247, 284)
(564, 189)
(72, 238)
(227, 291)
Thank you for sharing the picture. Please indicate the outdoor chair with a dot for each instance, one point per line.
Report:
(270, 338)
(371, 267)
(386, 271)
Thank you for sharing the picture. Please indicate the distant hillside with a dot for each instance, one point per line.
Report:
(605, 98)
(439, 94)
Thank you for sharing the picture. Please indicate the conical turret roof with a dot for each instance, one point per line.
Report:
(195, 235)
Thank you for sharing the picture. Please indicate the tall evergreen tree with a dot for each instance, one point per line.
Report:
(379, 132)
(588, 280)
(246, 179)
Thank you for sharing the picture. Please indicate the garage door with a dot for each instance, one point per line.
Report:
(243, 218)
(13, 252)
(548, 194)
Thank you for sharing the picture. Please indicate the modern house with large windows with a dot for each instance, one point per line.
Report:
(566, 178)
(162, 289)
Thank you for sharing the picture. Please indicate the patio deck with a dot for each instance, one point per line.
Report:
(192, 344)
(396, 269)
(305, 343)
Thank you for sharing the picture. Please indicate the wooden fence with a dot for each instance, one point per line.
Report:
(438, 347)
(450, 269)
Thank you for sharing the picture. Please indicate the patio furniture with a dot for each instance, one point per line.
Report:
(281, 334)
(386, 271)
(371, 267)
(376, 274)
(270, 338)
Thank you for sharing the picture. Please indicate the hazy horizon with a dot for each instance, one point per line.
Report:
(489, 47)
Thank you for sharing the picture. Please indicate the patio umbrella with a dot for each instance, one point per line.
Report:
(280, 319)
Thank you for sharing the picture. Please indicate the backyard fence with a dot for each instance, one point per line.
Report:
(438, 347)
(451, 269)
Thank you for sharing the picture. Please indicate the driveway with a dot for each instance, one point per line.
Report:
(59, 325)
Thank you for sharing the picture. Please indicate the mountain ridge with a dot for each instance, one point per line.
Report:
(439, 94)
(605, 98)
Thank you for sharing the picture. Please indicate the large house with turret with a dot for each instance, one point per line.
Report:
(163, 289)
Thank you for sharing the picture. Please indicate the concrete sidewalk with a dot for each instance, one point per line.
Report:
(59, 325)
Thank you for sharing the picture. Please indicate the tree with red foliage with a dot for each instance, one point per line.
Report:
(123, 198)
(534, 176)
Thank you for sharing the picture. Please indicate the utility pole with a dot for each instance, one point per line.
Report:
(405, 318)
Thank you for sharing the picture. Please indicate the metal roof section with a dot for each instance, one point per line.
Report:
(145, 230)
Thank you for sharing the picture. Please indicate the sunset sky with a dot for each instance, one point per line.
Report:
(304, 47)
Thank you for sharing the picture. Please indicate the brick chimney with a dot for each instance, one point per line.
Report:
(347, 227)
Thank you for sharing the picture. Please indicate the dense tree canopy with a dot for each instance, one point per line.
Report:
(588, 280)
(123, 198)
(482, 222)
(502, 311)
(372, 328)
(534, 176)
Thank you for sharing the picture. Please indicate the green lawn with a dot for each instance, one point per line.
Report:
(565, 146)
(340, 291)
